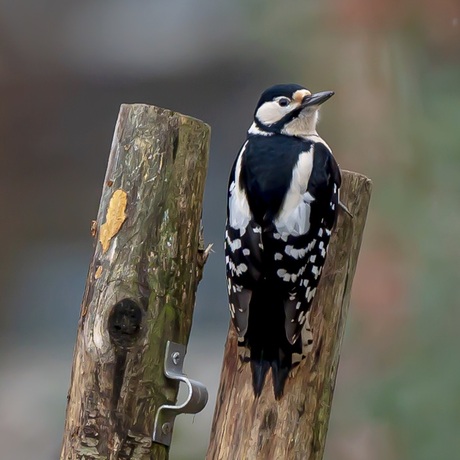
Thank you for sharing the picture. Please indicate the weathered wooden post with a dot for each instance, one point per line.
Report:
(141, 285)
(295, 428)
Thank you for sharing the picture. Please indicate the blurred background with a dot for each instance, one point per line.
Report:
(395, 66)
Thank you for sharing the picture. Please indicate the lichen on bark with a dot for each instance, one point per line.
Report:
(140, 290)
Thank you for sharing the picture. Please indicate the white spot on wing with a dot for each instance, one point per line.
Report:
(302, 317)
(235, 244)
(282, 273)
(295, 253)
(311, 244)
(246, 251)
(240, 269)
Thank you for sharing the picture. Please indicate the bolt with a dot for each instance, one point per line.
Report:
(166, 428)
(175, 357)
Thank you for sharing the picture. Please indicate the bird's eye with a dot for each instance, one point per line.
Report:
(283, 102)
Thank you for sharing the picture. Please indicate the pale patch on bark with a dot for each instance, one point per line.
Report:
(114, 219)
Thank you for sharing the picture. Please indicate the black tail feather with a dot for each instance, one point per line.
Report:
(280, 372)
(259, 371)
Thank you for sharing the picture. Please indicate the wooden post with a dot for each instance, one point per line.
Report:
(295, 428)
(140, 290)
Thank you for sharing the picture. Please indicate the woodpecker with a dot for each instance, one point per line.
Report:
(283, 198)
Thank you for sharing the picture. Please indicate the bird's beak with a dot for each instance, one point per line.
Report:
(316, 99)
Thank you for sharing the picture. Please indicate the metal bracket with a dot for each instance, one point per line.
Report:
(197, 396)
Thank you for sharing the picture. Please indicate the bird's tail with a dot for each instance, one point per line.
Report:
(280, 371)
(266, 338)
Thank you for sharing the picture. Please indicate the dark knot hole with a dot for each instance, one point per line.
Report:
(125, 323)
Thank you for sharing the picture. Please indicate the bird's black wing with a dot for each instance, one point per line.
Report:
(299, 260)
(243, 249)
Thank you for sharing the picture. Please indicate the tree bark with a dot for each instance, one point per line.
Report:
(140, 290)
(295, 428)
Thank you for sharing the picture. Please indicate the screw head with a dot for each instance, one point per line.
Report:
(175, 357)
(166, 428)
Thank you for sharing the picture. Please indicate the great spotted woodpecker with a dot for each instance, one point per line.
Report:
(282, 205)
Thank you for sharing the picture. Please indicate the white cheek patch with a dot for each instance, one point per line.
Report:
(271, 112)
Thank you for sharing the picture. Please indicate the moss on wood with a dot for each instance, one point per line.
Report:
(141, 284)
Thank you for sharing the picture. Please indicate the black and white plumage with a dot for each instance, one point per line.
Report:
(282, 204)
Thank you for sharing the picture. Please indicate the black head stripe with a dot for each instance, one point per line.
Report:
(279, 125)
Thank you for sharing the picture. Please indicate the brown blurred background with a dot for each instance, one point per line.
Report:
(395, 66)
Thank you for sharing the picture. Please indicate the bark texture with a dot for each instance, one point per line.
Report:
(140, 290)
(295, 428)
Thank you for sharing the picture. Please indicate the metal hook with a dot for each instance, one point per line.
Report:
(197, 395)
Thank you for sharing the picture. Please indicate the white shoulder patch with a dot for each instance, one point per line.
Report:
(238, 206)
(294, 217)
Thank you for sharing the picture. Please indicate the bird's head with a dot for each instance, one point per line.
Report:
(288, 109)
